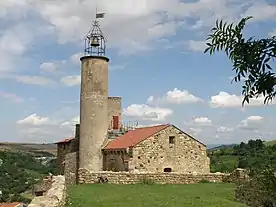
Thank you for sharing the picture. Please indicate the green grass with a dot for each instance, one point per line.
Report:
(139, 195)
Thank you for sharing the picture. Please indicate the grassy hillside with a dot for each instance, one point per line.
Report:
(270, 143)
(207, 195)
(19, 172)
(36, 149)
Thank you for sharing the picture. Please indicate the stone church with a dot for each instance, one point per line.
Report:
(102, 143)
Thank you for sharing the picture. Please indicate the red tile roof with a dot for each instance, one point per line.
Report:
(14, 204)
(132, 138)
(64, 141)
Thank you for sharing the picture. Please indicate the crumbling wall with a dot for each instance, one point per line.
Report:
(54, 197)
(71, 166)
(160, 178)
(62, 150)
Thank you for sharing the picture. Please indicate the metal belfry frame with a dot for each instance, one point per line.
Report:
(95, 41)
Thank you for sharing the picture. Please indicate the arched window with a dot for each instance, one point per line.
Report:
(167, 169)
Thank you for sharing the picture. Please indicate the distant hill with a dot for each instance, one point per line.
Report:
(217, 147)
(270, 143)
(35, 149)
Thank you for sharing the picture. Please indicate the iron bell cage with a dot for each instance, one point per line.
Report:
(95, 41)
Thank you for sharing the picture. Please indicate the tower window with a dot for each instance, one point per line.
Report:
(172, 139)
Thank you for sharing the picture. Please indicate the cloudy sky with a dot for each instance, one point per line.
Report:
(156, 64)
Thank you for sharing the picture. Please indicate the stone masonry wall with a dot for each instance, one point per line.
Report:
(114, 109)
(54, 197)
(185, 155)
(70, 169)
(62, 150)
(115, 161)
(159, 178)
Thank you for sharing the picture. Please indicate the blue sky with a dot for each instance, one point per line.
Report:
(156, 64)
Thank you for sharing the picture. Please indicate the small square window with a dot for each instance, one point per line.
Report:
(172, 139)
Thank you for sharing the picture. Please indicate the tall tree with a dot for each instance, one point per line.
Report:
(252, 58)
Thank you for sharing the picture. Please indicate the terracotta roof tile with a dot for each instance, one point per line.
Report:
(14, 204)
(132, 138)
(64, 141)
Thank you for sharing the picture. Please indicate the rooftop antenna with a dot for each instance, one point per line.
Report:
(95, 40)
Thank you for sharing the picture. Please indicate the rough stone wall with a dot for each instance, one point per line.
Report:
(93, 111)
(62, 150)
(155, 154)
(54, 197)
(115, 161)
(114, 109)
(159, 178)
(71, 167)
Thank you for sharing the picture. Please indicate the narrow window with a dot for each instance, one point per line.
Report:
(130, 152)
(172, 139)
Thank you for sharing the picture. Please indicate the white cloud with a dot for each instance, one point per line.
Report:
(224, 129)
(37, 129)
(261, 10)
(34, 119)
(16, 40)
(175, 96)
(75, 59)
(145, 112)
(71, 122)
(49, 66)
(251, 122)
(11, 97)
(196, 46)
(226, 100)
(154, 19)
(202, 121)
(71, 80)
(34, 80)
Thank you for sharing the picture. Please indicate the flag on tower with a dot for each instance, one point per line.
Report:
(100, 15)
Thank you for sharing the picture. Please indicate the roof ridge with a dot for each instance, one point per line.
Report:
(159, 125)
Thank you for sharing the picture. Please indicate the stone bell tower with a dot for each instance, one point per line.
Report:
(93, 99)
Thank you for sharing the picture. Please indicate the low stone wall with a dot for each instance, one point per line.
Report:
(160, 178)
(54, 197)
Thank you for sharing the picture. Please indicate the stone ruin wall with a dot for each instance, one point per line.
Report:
(86, 177)
(71, 167)
(55, 195)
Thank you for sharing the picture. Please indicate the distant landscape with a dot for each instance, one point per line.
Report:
(35, 149)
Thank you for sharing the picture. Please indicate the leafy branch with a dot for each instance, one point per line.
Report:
(251, 58)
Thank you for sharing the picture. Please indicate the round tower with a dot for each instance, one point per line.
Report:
(93, 101)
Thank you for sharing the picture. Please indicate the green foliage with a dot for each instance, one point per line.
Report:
(18, 173)
(260, 189)
(207, 195)
(254, 154)
(251, 58)
(260, 161)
